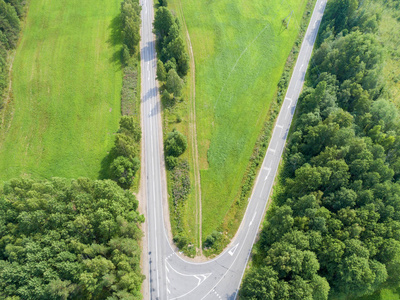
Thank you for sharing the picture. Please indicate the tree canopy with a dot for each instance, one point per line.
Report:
(62, 239)
(334, 225)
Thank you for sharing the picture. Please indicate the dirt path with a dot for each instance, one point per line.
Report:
(193, 132)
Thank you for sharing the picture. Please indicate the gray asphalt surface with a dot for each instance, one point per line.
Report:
(171, 276)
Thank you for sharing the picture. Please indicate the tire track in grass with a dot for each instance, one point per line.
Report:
(193, 134)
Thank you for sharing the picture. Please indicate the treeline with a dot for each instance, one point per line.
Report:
(125, 153)
(11, 11)
(173, 60)
(62, 239)
(130, 27)
(172, 67)
(334, 228)
(124, 157)
(130, 19)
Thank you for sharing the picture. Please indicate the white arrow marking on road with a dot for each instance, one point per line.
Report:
(232, 251)
(269, 170)
(279, 126)
(252, 219)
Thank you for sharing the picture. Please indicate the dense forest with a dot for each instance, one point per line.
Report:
(10, 13)
(63, 239)
(334, 226)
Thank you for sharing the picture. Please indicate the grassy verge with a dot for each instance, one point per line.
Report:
(66, 85)
(389, 24)
(240, 52)
(235, 214)
(185, 214)
(384, 294)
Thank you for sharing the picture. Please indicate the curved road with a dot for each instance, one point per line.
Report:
(170, 276)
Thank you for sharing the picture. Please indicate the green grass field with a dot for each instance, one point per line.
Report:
(390, 22)
(67, 82)
(240, 49)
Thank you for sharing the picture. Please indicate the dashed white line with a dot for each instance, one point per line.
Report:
(215, 292)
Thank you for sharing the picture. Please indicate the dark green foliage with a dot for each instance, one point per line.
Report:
(161, 73)
(174, 83)
(126, 56)
(335, 220)
(9, 24)
(163, 3)
(175, 144)
(124, 154)
(167, 99)
(123, 170)
(129, 127)
(212, 239)
(170, 44)
(125, 146)
(130, 17)
(10, 12)
(63, 239)
(163, 20)
(171, 162)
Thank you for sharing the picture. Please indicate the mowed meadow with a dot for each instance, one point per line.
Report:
(67, 81)
(240, 49)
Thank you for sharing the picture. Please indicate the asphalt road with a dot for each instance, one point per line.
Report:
(169, 275)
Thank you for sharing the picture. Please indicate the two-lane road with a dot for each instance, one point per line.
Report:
(170, 276)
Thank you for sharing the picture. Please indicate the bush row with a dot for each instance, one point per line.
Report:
(173, 60)
(10, 13)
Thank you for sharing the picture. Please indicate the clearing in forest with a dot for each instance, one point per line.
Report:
(67, 82)
(240, 49)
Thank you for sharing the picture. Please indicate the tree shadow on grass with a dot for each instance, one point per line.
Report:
(115, 39)
(104, 172)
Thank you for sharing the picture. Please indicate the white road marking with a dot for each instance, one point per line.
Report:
(279, 126)
(269, 171)
(272, 150)
(215, 292)
(232, 251)
(167, 279)
(251, 222)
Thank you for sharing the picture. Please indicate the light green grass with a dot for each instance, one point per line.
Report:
(383, 294)
(390, 23)
(240, 49)
(67, 81)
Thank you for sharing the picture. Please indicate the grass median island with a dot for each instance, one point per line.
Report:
(240, 50)
(67, 81)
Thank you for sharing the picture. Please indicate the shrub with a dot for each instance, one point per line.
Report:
(124, 146)
(123, 170)
(171, 162)
(175, 144)
(174, 83)
(212, 239)
(161, 72)
(129, 127)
